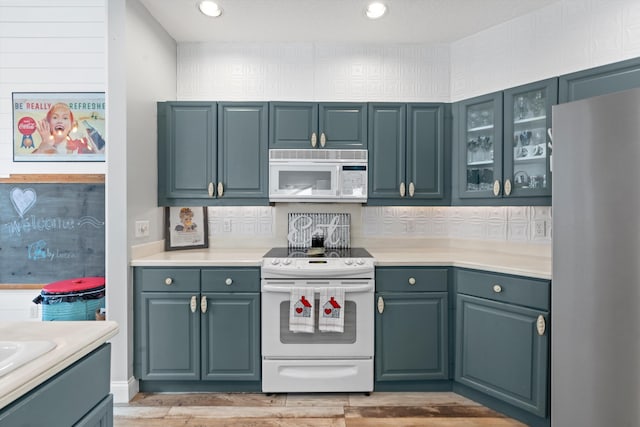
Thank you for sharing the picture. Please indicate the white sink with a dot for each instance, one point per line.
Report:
(14, 354)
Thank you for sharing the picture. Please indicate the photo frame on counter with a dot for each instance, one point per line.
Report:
(186, 228)
(59, 126)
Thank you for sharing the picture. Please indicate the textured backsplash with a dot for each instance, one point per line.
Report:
(508, 223)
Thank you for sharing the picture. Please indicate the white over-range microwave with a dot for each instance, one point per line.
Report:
(318, 175)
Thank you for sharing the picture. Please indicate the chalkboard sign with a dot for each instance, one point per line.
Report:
(51, 232)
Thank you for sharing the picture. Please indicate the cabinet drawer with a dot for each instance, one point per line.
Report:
(399, 279)
(155, 279)
(231, 280)
(499, 287)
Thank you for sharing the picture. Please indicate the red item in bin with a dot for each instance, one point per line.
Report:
(74, 285)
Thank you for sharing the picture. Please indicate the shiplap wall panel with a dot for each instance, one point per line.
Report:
(49, 46)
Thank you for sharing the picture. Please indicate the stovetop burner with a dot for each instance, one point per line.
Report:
(318, 253)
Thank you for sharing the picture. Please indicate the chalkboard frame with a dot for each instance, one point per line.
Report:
(25, 179)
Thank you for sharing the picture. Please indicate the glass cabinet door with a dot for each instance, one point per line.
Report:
(480, 131)
(526, 149)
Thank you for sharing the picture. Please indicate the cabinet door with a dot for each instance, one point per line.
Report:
(169, 347)
(600, 80)
(186, 150)
(527, 119)
(231, 337)
(242, 150)
(387, 150)
(342, 125)
(411, 336)
(500, 352)
(479, 146)
(293, 124)
(425, 151)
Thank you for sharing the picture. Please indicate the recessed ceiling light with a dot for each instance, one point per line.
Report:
(375, 10)
(209, 8)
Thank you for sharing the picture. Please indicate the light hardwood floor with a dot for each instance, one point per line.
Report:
(442, 409)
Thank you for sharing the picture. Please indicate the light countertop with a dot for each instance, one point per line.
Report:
(73, 339)
(519, 259)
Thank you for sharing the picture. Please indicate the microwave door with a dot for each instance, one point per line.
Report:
(303, 181)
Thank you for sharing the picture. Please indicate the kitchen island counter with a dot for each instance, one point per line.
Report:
(531, 260)
(73, 339)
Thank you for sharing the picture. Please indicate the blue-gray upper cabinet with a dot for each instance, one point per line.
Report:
(502, 341)
(243, 151)
(304, 125)
(500, 152)
(527, 123)
(186, 151)
(212, 154)
(407, 154)
(600, 80)
(411, 325)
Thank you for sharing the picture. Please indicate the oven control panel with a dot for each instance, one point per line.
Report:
(318, 267)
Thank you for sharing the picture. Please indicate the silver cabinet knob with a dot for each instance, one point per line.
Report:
(497, 288)
(229, 281)
(168, 281)
(380, 305)
(211, 189)
(314, 140)
(194, 304)
(507, 187)
(323, 140)
(412, 189)
(412, 281)
(402, 189)
(496, 188)
(203, 304)
(220, 189)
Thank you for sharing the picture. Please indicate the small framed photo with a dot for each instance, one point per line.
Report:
(59, 126)
(186, 228)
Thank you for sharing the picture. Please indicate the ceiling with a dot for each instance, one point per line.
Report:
(407, 21)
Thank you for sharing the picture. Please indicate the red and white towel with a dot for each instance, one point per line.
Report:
(302, 310)
(331, 310)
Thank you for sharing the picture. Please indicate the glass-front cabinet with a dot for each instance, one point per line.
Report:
(480, 146)
(527, 129)
(504, 146)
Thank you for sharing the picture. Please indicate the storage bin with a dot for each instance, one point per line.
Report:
(73, 299)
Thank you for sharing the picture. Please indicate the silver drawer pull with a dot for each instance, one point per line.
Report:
(497, 289)
(380, 305)
(203, 304)
(168, 281)
(229, 281)
(194, 304)
(412, 281)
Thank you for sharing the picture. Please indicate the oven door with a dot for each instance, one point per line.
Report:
(356, 341)
(296, 181)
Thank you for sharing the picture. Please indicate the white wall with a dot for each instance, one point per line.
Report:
(49, 46)
(564, 37)
(142, 70)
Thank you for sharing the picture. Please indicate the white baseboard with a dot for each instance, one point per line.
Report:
(123, 391)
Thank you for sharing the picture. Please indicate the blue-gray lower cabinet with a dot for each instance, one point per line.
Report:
(78, 396)
(502, 338)
(411, 326)
(197, 326)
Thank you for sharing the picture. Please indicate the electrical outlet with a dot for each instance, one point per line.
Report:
(142, 228)
(226, 225)
(540, 228)
(411, 226)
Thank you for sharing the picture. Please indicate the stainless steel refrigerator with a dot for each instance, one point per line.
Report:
(595, 298)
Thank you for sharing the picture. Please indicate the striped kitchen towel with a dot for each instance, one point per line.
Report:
(301, 310)
(331, 313)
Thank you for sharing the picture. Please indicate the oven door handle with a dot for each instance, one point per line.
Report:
(348, 289)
